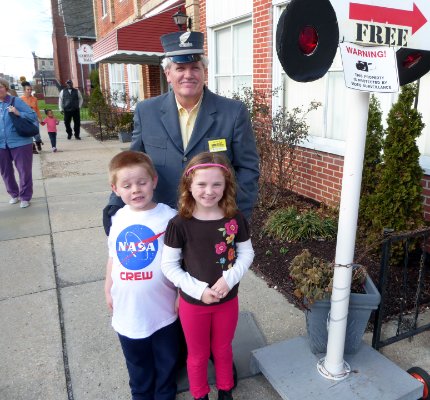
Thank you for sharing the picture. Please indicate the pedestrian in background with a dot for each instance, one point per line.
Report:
(141, 299)
(15, 149)
(31, 101)
(70, 102)
(206, 253)
(51, 123)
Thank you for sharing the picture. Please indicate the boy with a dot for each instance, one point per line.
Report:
(141, 299)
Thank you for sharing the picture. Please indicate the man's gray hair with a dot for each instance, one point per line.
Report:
(167, 62)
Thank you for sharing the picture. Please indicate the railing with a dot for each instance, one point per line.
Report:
(408, 294)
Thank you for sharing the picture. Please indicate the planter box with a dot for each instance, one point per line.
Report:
(125, 137)
(360, 307)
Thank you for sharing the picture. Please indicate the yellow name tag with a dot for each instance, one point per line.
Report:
(217, 145)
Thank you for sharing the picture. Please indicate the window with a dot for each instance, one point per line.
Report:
(117, 84)
(233, 57)
(133, 82)
(104, 8)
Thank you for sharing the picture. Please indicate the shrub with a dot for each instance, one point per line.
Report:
(313, 277)
(277, 135)
(287, 224)
(397, 200)
(372, 159)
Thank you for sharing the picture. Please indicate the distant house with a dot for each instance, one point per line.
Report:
(73, 23)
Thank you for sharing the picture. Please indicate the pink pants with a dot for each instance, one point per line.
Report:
(209, 329)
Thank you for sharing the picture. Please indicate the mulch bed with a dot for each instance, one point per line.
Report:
(273, 257)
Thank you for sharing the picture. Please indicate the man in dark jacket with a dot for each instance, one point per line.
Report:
(190, 119)
(69, 102)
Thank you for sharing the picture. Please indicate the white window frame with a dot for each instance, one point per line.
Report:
(117, 71)
(104, 8)
(133, 81)
(212, 52)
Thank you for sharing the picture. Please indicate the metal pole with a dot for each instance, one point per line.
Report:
(333, 366)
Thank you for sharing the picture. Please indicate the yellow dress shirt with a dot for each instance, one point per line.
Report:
(187, 120)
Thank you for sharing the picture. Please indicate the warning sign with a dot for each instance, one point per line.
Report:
(369, 69)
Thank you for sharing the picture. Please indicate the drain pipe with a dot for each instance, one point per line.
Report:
(333, 366)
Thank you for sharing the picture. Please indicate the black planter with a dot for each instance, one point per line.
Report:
(360, 308)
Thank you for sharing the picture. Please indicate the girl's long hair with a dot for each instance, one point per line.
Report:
(186, 203)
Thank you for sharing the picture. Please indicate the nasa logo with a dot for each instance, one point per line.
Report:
(137, 247)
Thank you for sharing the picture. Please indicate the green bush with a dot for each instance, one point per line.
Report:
(372, 159)
(397, 201)
(287, 224)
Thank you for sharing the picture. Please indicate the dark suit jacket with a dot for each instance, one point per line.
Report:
(157, 133)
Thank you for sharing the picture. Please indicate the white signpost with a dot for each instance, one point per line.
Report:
(398, 23)
(393, 23)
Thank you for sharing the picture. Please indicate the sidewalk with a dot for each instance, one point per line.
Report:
(56, 341)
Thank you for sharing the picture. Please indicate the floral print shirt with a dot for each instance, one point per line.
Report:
(208, 247)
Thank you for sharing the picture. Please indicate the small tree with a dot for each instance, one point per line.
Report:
(277, 136)
(397, 201)
(372, 159)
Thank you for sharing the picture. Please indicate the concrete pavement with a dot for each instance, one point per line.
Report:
(56, 342)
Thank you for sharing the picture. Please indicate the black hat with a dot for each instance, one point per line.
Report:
(183, 47)
(69, 81)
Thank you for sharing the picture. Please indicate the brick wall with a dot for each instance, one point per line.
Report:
(60, 47)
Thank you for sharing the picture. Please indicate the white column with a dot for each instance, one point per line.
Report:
(357, 108)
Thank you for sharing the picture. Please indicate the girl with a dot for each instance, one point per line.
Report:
(31, 101)
(207, 251)
(51, 123)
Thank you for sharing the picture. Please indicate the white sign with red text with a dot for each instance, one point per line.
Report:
(398, 23)
(85, 54)
(369, 69)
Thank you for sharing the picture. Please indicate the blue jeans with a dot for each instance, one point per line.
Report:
(152, 363)
(53, 138)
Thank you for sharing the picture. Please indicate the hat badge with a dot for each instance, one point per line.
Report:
(183, 40)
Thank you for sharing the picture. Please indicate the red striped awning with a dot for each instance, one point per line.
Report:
(136, 43)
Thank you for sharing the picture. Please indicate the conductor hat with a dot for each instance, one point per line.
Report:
(183, 47)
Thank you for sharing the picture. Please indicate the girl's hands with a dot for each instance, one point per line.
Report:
(209, 296)
(221, 287)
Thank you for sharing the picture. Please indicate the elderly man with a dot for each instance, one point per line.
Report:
(69, 102)
(177, 125)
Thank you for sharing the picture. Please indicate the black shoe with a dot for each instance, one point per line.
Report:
(69, 137)
(77, 138)
(225, 395)
(39, 146)
(202, 398)
(34, 149)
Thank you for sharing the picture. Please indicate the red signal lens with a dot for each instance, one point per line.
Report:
(412, 59)
(308, 40)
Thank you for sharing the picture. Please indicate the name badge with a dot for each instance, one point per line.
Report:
(217, 145)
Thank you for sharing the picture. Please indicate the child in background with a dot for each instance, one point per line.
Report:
(141, 299)
(51, 123)
(207, 251)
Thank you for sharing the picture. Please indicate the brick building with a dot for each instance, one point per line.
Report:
(240, 42)
(73, 26)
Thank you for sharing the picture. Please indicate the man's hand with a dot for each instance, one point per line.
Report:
(108, 212)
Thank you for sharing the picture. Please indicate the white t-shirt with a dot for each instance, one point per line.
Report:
(143, 298)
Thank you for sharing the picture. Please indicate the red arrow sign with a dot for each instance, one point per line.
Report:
(365, 12)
